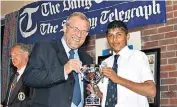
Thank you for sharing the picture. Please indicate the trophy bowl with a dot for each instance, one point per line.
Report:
(91, 73)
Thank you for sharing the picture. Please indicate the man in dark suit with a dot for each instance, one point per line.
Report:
(54, 66)
(18, 95)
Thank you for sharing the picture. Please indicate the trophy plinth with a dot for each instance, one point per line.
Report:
(92, 74)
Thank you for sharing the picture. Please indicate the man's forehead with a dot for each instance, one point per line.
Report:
(115, 30)
(16, 49)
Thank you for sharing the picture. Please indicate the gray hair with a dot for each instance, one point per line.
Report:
(24, 47)
(79, 14)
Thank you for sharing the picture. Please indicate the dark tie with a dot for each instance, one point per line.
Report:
(111, 99)
(15, 80)
(77, 93)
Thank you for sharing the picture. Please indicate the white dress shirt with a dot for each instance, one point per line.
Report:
(76, 56)
(132, 65)
(20, 72)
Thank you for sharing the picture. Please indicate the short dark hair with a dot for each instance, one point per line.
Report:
(117, 24)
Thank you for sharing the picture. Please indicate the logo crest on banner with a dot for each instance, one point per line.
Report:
(27, 12)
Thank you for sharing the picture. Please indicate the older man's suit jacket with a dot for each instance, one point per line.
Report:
(21, 96)
(45, 72)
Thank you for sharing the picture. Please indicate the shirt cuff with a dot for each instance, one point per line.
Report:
(65, 75)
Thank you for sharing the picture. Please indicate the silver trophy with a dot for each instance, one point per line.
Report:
(92, 74)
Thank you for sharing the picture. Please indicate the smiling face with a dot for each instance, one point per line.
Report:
(19, 57)
(75, 32)
(117, 39)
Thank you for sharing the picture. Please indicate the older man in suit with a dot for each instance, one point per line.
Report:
(18, 95)
(55, 66)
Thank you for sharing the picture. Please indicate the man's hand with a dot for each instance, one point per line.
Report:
(72, 64)
(96, 89)
(110, 73)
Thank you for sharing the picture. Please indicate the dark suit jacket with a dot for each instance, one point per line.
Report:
(15, 95)
(46, 67)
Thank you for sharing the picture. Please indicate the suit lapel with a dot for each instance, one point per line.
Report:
(81, 57)
(61, 52)
(63, 56)
(9, 87)
(16, 90)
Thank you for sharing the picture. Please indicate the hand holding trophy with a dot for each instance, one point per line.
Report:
(92, 74)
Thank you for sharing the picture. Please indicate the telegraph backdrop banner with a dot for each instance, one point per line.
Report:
(43, 20)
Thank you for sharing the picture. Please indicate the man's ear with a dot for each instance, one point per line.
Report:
(128, 36)
(64, 27)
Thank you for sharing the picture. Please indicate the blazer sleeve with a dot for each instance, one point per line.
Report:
(44, 69)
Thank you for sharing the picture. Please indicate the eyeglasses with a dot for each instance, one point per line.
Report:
(75, 29)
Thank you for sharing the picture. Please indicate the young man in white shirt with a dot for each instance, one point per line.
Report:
(133, 80)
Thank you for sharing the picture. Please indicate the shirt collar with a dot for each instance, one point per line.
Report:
(21, 70)
(124, 52)
(67, 49)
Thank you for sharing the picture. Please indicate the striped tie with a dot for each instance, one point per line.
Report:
(12, 87)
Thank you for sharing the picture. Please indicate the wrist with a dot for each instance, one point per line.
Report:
(117, 80)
